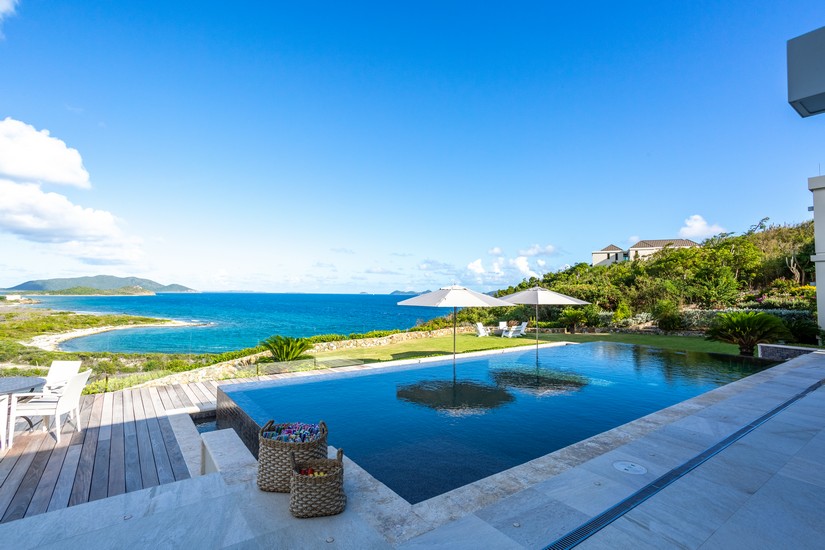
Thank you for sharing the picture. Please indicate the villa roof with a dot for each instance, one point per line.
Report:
(611, 248)
(661, 243)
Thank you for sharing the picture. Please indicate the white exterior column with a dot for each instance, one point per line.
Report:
(817, 187)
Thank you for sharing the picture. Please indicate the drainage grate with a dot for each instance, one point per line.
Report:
(589, 528)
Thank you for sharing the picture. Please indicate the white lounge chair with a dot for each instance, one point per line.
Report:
(515, 332)
(481, 330)
(50, 405)
(502, 326)
(59, 373)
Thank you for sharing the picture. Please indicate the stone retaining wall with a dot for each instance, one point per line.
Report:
(385, 340)
(778, 352)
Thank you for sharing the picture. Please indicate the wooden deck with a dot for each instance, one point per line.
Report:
(126, 444)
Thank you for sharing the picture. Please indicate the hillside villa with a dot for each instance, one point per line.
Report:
(612, 254)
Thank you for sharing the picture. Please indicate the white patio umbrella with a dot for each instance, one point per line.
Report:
(542, 297)
(454, 297)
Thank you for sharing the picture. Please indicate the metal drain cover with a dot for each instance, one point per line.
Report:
(630, 467)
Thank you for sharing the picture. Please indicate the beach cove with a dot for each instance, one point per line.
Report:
(51, 342)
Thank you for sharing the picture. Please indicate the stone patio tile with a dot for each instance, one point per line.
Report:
(672, 526)
(469, 532)
(109, 513)
(690, 428)
(210, 523)
(705, 503)
(806, 470)
(531, 518)
(786, 513)
(671, 446)
(585, 491)
(604, 466)
(613, 538)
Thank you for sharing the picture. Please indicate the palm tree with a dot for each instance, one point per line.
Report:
(284, 348)
(746, 329)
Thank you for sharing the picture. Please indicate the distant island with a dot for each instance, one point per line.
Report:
(89, 291)
(99, 284)
(407, 292)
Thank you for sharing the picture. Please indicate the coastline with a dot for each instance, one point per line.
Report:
(51, 342)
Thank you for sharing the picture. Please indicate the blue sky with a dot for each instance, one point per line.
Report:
(374, 146)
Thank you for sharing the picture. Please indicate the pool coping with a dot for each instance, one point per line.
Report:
(398, 521)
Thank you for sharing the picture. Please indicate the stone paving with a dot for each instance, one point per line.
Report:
(766, 490)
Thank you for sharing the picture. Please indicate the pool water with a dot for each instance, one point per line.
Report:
(423, 430)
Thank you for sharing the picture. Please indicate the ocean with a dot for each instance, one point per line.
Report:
(232, 321)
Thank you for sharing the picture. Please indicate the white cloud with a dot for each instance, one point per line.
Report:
(476, 267)
(434, 265)
(541, 263)
(6, 9)
(89, 235)
(633, 239)
(29, 212)
(538, 250)
(28, 155)
(697, 228)
(521, 263)
(380, 271)
(495, 251)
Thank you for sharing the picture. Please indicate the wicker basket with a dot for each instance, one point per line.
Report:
(312, 497)
(274, 457)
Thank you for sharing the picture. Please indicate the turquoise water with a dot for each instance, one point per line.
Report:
(423, 432)
(235, 321)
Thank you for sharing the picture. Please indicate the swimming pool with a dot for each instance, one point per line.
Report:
(423, 430)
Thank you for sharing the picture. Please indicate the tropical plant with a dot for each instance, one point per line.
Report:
(285, 348)
(746, 329)
(572, 317)
(804, 329)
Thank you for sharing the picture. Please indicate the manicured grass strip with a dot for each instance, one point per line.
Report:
(428, 347)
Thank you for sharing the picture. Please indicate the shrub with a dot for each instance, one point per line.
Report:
(622, 312)
(572, 318)
(667, 315)
(285, 348)
(804, 330)
(746, 329)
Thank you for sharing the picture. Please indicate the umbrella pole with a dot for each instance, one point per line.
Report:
(537, 334)
(455, 322)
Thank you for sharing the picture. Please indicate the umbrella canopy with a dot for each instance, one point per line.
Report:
(542, 297)
(454, 297)
(454, 398)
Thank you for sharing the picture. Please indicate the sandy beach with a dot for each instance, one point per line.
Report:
(51, 342)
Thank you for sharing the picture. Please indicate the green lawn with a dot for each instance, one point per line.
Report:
(469, 342)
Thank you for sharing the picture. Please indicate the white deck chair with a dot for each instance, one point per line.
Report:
(50, 405)
(481, 330)
(515, 332)
(59, 373)
(521, 330)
